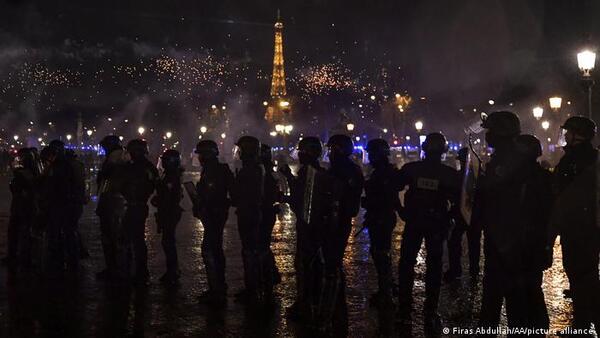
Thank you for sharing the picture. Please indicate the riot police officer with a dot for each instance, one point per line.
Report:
(504, 194)
(381, 203)
(111, 208)
(432, 186)
(349, 182)
(61, 197)
(575, 219)
(248, 197)
(537, 197)
(272, 196)
(315, 202)
(168, 195)
(211, 206)
(24, 207)
(473, 232)
(142, 177)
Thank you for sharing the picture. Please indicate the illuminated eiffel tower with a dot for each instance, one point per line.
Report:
(278, 110)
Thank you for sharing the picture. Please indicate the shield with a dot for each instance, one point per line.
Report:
(307, 199)
(471, 172)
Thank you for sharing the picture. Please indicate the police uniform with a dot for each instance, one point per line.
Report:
(142, 177)
(168, 195)
(212, 208)
(431, 188)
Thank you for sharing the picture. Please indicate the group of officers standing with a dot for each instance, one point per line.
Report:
(513, 201)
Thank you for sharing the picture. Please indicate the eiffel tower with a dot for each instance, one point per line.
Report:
(278, 109)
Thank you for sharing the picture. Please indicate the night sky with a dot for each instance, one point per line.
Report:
(456, 53)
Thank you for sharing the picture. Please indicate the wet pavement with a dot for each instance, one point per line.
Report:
(81, 306)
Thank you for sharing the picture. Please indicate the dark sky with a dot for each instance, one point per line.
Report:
(455, 52)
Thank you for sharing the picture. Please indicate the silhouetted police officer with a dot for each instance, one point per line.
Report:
(24, 207)
(272, 196)
(248, 197)
(503, 208)
(473, 232)
(142, 177)
(537, 197)
(111, 208)
(212, 208)
(168, 212)
(59, 195)
(381, 203)
(312, 202)
(576, 220)
(432, 186)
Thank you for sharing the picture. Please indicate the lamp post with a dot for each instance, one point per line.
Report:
(141, 131)
(555, 103)
(586, 61)
(538, 112)
(545, 125)
(419, 126)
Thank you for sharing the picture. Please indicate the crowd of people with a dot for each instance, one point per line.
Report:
(511, 207)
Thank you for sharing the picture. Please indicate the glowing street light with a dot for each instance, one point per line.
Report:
(419, 126)
(284, 104)
(555, 102)
(385, 130)
(69, 137)
(350, 126)
(89, 132)
(223, 135)
(214, 106)
(265, 103)
(372, 97)
(491, 102)
(545, 125)
(288, 129)
(273, 133)
(538, 112)
(16, 137)
(279, 128)
(203, 129)
(169, 134)
(586, 61)
(141, 130)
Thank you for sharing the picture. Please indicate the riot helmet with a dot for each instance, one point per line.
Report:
(110, 143)
(249, 148)
(435, 144)
(171, 160)
(529, 146)
(310, 150)
(379, 150)
(501, 126)
(207, 150)
(582, 128)
(137, 148)
(340, 146)
(58, 146)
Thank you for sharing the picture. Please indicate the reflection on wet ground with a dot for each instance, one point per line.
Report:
(80, 306)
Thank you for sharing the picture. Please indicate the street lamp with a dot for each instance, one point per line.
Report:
(169, 134)
(223, 135)
(141, 130)
(89, 132)
(538, 112)
(279, 128)
(69, 137)
(16, 137)
(385, 130)
(555, 103)
(419, 126)
(545, 125)
(586, 61)
(203, 129)
(288, 128)
(273, 133)
(350, 126)
(284, 104)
